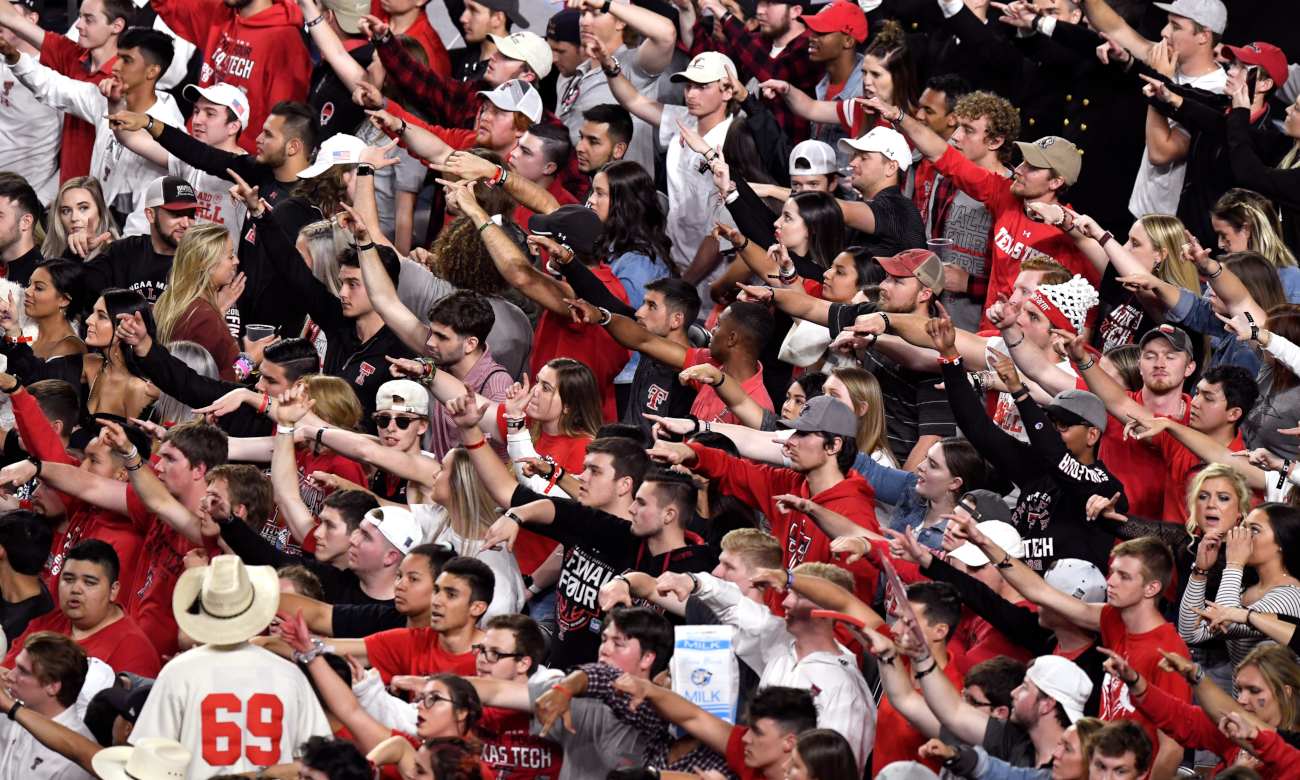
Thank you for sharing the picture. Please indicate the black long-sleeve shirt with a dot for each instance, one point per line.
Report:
(1054, 486)
(170, 375)
(346, 356)
(654, 388)
(1017, 623)
(266, 300)
(1251, 172)
(340, 586)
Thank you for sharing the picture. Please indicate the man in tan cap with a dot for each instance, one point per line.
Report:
(235, 706)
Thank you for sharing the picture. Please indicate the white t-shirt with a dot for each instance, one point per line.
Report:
(224, 703)
(693, 207)
(508, 593)
(22, 757)
(1005, 414)
(213, 192)
(32, 133)
(1158, 187)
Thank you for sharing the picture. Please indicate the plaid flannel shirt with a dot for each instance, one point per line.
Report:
(455, 103)
(752, 55)
(658, 737)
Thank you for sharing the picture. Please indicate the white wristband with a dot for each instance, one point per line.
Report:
(284, 429)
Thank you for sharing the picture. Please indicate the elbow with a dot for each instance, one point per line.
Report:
(1160, 154)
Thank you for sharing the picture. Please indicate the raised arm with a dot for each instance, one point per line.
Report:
(379, 285)
(331, 48)
(632, 335)
(530, 196)
(467, 412)
(1106, 21)
(12, 17)
(1202, 446)
(284, 465)
(142, 144)
(929, 143)
(318, 614)
(150, 490)
(102, 492)
(335, 694)
(1117, 401)
(638, 105)
(753, 444)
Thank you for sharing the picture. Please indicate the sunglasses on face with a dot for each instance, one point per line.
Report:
(384, 420)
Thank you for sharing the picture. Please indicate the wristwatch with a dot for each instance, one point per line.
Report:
(614, 71)
(318, 648)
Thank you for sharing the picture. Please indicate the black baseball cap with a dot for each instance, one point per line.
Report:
(563, 27)
(574, 226)
(510, 8)
(172, 193)
(33, 6)
(128, 703)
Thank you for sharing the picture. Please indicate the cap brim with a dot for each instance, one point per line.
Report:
(227, 631)
(507, 48)
(678, 78)
(819, 26)
(315, 170)
(1067, 416)
(182, 205)
(796, 425)
(894, 268)
(1033, 155)
(970, 555)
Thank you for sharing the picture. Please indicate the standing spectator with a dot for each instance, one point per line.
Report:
(588, 86)
(483, 23)
(406, 17)
(834, 35)
(254, 45)
(603, 137)
(25, 540)
(34, 130)
(143, 56)
(90, 59)
(779, 49)
(20, 214)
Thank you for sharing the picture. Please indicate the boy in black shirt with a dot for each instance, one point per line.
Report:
(25, 540)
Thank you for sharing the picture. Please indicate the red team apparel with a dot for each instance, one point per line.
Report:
(414, 651)
(422, 31)
(512, 752)
(1015, 237)
(264, 55)
(1142, 653)
(235, 709)
(708, 406)
(1139, 464)
(121, 644)
(736, 755)
(149, 600)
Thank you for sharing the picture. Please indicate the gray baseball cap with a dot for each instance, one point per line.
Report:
(1212, 14)
(1176, 336)
(824, 414)
(1079, 407)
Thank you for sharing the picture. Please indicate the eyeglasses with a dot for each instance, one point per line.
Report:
(384, 420)
(972, 701)
(492, 656)
(429, 700)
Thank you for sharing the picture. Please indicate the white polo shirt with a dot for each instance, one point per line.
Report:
(21, 756)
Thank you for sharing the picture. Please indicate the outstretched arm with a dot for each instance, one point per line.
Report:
(631, 334)
(930, 144)
(1106, 21)
(801, 103)
(708, 728)
(13, 17)
(335, 694)
(1202, 446)
(638, 105)
(379, 285)
(531, 196)
(331, 48)
(102, 492)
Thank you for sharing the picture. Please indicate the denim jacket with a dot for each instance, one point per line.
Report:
(898, 487)
(1194, 313)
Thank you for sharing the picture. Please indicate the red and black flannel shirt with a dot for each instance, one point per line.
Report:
(455, 103)
(752, 55)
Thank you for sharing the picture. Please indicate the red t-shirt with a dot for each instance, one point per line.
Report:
(414, 651)
(1138, 464)
(422, 31)
(1180, 463)
(1015, 236)
(984, 642)
(312, 495)
(896, 739)
(149, 601)
(511, 752)
(736, 755)
(708, 406)
(588, 344)
(61, 55)
(121, 644)
(1141, 652)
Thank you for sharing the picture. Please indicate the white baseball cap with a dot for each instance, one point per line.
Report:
(528, 47)
(398, 526)
(223, 94)
(1002, 534)
(516, 95)
(1063, 680)
(1078, 579)
(402, 395)
(707, 68)
(342, 149)
(818, 156)
(887, 141)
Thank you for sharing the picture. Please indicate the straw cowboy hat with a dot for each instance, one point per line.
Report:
(153, 758)
(226, 602)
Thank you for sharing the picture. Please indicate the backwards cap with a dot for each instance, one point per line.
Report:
(1066, 305)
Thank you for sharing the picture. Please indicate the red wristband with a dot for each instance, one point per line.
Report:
(266, 401)
(562, 689)
(480, 443)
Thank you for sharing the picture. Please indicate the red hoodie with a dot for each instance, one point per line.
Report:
(263, 55)
(801, 539)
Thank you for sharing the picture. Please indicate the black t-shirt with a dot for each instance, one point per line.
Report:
(899, 226)
(15, 616)
(655, 390)
(915, 406)
(1121, 319)
(1009, 742)
(333, 100)
(19, 271)
(356, 621)
(597, 547)
(130, 263)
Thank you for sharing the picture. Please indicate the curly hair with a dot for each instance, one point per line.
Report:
(1003, 121)
(461, 257)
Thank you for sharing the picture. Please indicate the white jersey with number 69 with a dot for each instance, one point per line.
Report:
(235, 708)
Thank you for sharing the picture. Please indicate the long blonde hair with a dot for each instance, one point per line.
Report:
(201, 248)
(470, 501)
(55, 242)
(1277, 665)
(325, 242)
(1246, 208)
(864, 389)
(1216, 471)
(1166, 232)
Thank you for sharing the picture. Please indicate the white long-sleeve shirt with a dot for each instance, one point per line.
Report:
(843, 700)
(123, 174)
(32, 134)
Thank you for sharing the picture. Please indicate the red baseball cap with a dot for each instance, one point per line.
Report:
(1265, 55)
(921, 263)
(838, 16)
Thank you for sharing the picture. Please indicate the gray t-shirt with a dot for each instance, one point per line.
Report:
(511, 338)
(968, 224)
(1275, 409)
(599, 743)
(589, 88)
(407, 176)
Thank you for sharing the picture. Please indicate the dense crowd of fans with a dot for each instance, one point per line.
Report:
(406, 392)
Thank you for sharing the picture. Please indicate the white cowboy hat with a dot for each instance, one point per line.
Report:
(226, 602)
(152, 758)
